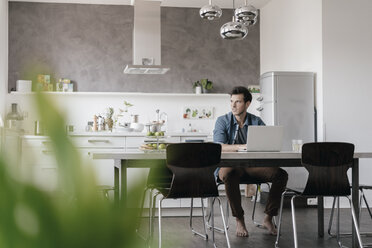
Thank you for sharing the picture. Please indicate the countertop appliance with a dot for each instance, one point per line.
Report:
(287, 99)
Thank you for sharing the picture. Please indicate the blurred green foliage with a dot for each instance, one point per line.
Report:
(72, 216)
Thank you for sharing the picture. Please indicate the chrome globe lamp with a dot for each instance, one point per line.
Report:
(233, 30)
(246, 14)
(210, 11)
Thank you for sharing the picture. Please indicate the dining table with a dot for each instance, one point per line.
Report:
(148, 159)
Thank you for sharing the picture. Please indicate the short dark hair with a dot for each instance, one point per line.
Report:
(242, 90)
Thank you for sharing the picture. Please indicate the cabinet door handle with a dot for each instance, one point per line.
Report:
(260, 98)
(98, 141)
(259, 109)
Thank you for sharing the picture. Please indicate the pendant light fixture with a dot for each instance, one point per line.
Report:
(210, 11)
(246, 14)
(233, 30)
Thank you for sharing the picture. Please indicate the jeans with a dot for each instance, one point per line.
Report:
(231, 178)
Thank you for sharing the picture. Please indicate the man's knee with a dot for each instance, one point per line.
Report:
(228, 175)
(282, 175)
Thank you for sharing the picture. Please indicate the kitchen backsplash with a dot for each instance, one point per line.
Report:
(81, 107)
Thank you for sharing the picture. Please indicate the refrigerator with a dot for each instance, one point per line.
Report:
(287, 99)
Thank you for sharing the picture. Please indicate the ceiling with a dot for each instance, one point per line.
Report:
(166, 3)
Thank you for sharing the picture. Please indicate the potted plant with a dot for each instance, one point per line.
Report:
(197, 87)
(207, 85)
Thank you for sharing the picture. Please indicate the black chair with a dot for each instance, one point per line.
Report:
(192, 165)
(336, 200)
(327, 164)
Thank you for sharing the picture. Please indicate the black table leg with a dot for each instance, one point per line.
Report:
(123, 183)
(320, 216)
(355, 196)
(117, 164)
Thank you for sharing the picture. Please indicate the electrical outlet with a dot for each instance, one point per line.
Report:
(312, 201)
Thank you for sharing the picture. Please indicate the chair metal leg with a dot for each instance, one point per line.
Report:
(348, 234)
(205, 235)
(159, 219)
(152, 216)
(212, 216)
(141, 210)
(356, 224)
(338, 223)
(365, 201)
(224, 224)
(220, 230)
(254, 209)
(331, 218)
(280, 218)
(204, 222)
(360, 205)
(294, 222)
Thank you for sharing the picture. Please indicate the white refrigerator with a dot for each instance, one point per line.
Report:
(287, 99)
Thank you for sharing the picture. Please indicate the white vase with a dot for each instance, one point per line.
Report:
(198, 90)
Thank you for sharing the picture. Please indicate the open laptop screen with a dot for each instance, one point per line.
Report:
(265, 138)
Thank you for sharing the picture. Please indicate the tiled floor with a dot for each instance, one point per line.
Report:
(176, 232)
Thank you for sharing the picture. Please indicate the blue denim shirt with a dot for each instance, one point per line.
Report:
(226, 127)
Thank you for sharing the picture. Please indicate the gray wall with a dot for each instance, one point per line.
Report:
(91, 44)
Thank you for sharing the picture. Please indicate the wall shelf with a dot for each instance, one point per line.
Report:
(15, 93)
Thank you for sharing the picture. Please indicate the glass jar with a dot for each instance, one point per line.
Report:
(13, 118)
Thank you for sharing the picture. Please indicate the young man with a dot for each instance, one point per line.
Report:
(231, 131)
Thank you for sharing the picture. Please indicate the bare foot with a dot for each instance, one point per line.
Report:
(269, 225)
(241, 230)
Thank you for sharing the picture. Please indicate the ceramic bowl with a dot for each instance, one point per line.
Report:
(137, 127)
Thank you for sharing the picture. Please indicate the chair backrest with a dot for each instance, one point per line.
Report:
(327, 164)
(193, 165)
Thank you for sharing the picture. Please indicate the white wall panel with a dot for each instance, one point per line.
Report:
(291, 40)
(347, 60)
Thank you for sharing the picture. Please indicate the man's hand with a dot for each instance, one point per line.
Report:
(232, 148)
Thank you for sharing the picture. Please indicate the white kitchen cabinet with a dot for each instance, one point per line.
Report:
(39, 164)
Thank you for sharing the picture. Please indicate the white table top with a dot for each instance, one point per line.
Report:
(138, 154)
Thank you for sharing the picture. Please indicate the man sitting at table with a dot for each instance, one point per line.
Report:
(231, 131)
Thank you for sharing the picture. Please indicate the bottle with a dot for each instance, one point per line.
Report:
(190, 128)
(13, 118)
(95, 123)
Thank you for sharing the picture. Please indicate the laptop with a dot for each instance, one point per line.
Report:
(264, 139)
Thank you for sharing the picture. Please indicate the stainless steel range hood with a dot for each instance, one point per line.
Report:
(146, 39)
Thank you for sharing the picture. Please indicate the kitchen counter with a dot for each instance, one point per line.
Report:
(122, 134)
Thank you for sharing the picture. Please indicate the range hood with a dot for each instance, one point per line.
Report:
(146, 39)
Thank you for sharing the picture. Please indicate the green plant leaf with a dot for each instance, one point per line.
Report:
(73, 215)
